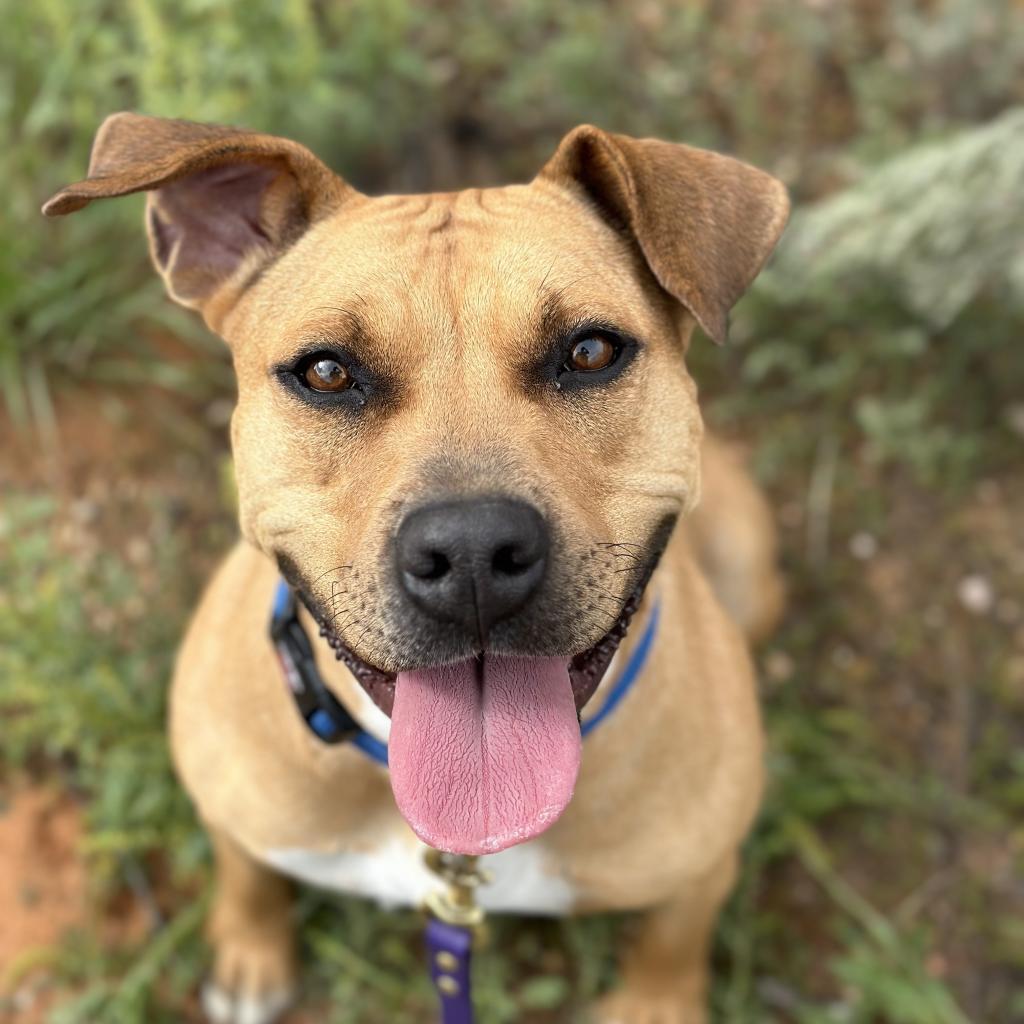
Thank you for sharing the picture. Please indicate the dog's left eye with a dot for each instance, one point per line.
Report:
(591, 356)
(592, 353)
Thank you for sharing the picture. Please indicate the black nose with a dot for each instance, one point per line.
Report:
(473, 562)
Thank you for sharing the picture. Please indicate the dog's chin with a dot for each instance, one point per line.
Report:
(586, 670)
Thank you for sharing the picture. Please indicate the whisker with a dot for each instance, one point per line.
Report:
(337, 615)
(337, 568)
(599, 593)
(359, 639)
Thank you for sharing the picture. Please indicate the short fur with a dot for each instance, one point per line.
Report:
(453, 301)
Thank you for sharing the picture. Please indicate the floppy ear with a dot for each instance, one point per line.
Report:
(222, 202)
(704, 222)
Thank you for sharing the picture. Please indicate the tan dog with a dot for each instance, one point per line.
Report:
(464, 433)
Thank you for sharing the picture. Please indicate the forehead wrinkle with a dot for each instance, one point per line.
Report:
(447, 271)
(414, 205)
(429, 321)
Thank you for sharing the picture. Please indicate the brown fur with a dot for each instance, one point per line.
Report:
(453, 299)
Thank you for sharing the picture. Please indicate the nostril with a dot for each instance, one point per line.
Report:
(511, 560)
(431, 565)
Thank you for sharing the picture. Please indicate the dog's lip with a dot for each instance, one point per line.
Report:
(586, 670)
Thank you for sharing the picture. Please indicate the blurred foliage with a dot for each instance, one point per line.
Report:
(403, 95)
(920, 239)
(876, 367)
(896, 303)
(84, 682)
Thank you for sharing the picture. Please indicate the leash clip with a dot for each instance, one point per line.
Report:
(456, 904)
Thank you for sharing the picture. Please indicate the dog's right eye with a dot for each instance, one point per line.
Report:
(332, 380)
(322, 372)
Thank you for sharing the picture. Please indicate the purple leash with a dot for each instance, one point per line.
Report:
(449, 947)
(453, 918)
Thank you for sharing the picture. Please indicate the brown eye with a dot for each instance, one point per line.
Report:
(594, 352)
(327, 374)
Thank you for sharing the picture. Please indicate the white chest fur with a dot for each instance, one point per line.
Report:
(394, 874)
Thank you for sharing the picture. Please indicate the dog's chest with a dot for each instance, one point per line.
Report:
(394, 874)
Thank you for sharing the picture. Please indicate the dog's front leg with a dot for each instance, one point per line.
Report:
(252, 933)
(665, 966)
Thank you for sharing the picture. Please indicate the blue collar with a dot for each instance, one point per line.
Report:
(330, 721)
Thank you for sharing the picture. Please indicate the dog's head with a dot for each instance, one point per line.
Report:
(464, 426)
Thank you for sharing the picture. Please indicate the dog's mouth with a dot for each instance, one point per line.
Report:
(586, 670)
(484, 753)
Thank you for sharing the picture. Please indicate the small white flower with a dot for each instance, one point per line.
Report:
(976, 594)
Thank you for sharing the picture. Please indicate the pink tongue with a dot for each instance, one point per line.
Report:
(476, 767)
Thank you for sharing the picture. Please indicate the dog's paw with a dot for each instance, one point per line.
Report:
(253, 983)
(628, 1007)
(224, 1007)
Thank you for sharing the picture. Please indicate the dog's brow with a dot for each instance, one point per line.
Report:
(556, 319)
(347, 326)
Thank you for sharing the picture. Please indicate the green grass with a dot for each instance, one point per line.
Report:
(875, 371)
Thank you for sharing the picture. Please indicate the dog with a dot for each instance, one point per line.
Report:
(465, 435)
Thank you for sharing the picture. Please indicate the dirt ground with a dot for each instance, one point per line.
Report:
(43, 890)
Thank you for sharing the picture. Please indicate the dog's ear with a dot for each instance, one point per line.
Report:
(222, 202)
(705, 223)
